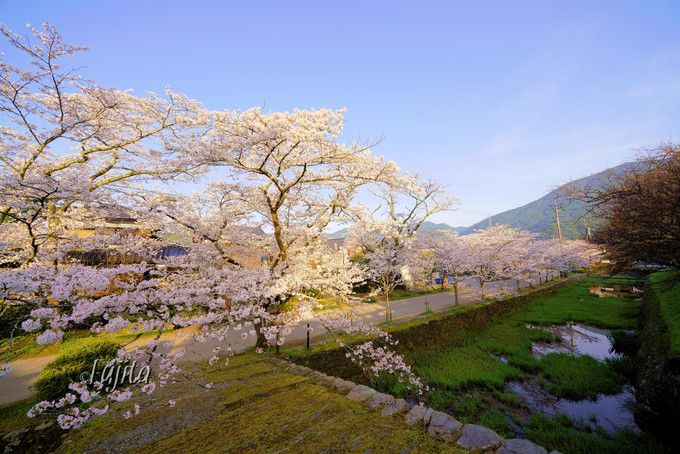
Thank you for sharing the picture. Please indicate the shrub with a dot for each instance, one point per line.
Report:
(8, 325)
(72, 361)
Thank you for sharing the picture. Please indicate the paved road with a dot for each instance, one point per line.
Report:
(18, 386)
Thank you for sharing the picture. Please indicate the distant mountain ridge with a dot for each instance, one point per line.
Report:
(427, 227)
(539, 216)
(431, 227)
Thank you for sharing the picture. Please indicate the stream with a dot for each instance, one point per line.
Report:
(611, 412)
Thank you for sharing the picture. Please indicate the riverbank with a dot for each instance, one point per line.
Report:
(658, 374)
(471, 358)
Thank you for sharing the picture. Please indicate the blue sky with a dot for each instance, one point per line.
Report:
(500, 100)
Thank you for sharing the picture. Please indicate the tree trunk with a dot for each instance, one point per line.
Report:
(455, 292)
(261, 341)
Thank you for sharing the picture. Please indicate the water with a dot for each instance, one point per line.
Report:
(612, 413)
(576, 340)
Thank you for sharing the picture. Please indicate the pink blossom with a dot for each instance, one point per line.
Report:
(49, 337)
(30, 325)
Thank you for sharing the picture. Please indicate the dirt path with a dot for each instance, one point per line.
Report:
(17, 386)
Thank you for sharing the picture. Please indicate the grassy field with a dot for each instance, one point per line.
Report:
(25, 346)
(466, 357)
(402, 294)
(468, 371)
(255, 407)
(471, 356)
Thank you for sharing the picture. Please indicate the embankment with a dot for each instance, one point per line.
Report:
(658, 363)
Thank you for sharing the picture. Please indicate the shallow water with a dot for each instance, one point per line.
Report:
(612, 413)
(576, 340)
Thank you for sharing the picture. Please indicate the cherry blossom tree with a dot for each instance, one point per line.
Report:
(422, 265)
(292, 178)
(65, 138)
(517, 260)
(550, 258)
(451, 255)
(492, 253)
(386, 235)
(74, 154)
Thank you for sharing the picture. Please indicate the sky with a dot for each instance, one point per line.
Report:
(501, 101)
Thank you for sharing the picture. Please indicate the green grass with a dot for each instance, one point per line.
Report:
(576, 303)
(256, 407)
(468, 375)
(495, 420)
(666, 287)
(13, 416)
(74, 358)
(579, 377)
(462, 366)
(471, 356)
(465, 370)
(562, 434)
(402, 294)
(25, 346)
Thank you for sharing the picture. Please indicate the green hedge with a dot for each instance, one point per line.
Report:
(423, 334)
(54, 380)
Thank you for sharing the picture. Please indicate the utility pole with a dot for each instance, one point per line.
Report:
(490, 221)
(557, 220)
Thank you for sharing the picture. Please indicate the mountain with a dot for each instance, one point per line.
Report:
(427, 227)
(539, 215)
(338, 234)
(432, 227)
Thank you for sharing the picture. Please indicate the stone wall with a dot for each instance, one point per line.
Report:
(444, 427)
